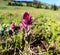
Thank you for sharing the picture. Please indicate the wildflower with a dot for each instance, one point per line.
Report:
(15, 13)
(27, 18)
(12, 26)
(23, 25)
(5, 12)
(20, 25)
(24, 22)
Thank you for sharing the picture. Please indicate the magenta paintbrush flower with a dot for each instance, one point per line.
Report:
(26, 15)
(20, 25)
(24, 22)
(12, 26)
(27, 18)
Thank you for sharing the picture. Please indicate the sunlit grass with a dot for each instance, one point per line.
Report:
(34, 11)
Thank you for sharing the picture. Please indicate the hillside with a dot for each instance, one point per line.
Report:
(34, 11)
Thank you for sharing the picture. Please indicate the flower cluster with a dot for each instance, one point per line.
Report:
(25, 21)
(12, 26)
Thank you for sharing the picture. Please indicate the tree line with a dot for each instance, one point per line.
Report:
(34, 3)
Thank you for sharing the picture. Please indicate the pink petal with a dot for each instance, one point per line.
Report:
(20, 25)
(12, 26)
(24, 22)
(26, 15)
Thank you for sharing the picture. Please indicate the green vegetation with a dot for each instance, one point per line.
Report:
(43, 35)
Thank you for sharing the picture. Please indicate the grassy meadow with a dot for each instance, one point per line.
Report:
(45, 29)
(34, 11)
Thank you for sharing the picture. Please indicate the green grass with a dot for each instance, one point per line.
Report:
(34, 11)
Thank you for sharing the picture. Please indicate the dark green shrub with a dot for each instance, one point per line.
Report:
(46, 7)
(29, 4)
(18, 4)
(9, 3)
(13, 3)
(54, 7)
(37, 5)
